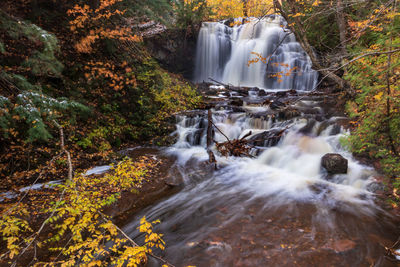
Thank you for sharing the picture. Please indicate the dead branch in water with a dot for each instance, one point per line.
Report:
(210, 133)
(236, 148)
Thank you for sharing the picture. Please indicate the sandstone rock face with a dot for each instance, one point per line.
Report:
(334, 163)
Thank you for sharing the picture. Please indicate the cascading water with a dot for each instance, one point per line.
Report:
(223, 53)
(278, 207)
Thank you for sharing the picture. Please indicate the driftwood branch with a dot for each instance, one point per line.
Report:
(211, 156)
(220, 83)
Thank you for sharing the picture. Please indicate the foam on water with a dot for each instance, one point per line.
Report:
(290, 170)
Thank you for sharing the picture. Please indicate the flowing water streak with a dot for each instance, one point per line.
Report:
(223, 53)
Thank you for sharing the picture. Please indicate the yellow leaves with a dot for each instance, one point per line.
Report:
(395, 192)
(378, 96)
(151, 239)
(226, 8)
(298, 15)
(79, 213)
(223, 9)
(12, 228)
(110, 227)
(316, 3)
(145, 226)
(94, 263)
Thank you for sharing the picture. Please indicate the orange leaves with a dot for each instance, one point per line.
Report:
(375, 22)
(279, 74)
(258, 58)
(100, 25)
(85, 44)
(116, 77)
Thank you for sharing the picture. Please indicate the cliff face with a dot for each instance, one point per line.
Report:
(174, 49)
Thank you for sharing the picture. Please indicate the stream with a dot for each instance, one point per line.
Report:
(278, 207)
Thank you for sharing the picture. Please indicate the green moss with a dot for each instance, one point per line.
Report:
(2, 48)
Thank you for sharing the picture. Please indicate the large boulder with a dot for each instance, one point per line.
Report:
(334, 163)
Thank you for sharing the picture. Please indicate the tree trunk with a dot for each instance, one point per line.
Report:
(301, 37)
(245, 10)
(341, 21)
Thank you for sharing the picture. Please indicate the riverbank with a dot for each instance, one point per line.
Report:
(165, 178)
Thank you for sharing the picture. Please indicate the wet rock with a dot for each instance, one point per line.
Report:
(262, 93)
(309, 127)
(281, 94)
(310, 110)
(266, 139)
(293, 92)
(174, 178)
(214, 248)
(276, 104)
(340, 246)
(334, 163)
(226, 93)
(322, 127)
(195, 138)
(344, 245)
(320, 188)
(376, 187)
(193, 113)
(229, 22)
(236, 102)
(237, 109)
(263, 114)
(336, 130)
(289, 113)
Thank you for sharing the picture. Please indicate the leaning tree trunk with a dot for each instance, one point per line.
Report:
(301, 37)
(341, 21)
(245, 8)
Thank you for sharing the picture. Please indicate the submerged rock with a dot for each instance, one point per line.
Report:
(334, 163)
(174, 178)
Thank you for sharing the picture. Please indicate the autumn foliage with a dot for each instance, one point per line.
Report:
(80, 233)
(94, 24)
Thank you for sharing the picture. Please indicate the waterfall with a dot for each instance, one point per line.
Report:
(223, 53)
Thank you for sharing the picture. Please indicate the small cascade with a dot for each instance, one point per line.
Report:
(293, 159)
(223, 53)
(278, 206)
